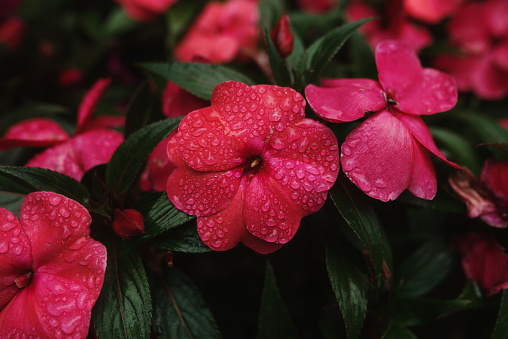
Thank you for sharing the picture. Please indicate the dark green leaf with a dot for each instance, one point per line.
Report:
(164, 216)
(298, 49)
(501, 329)
(277, 63)
(363, 59)
(356, 209)
(128, 158)
(349, 282)
(11, 201)
(199, 79)
(124, 307)
(487, 129)
(270, 11)
(425, 268)
(46, 180)
(140, 110)
(318, 55)
(274, 319)
(179, 17)
(179, 309)
(118, 22)
(396, 331)
(184, 238)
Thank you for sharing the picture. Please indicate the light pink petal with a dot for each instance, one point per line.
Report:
(37, 132)
(52, 223)
(15, 255)
(60, 158)
(178, 102)
(378, 156)
(421, 132)
(471, 191)
(95, 147)
(423, 183)
(89, 102)
(431, 11)
(304, 161)
(344, 100)
(269, 214)
(158, 168)
(202, 193)
(416, 90)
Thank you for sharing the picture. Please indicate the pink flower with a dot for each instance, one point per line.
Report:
(317, 6)
(484, 262)
(92, 144)
(51, 271)
(486, 198)
(250, 166)
(222, 32)
(393, 25)
(431, 11)
(145, 10)
(389, 151)
(480, 33)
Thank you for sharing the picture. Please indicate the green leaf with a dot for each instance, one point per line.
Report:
(396, 331)
(179, 309)
(356, 209)
(349, 282)
(277, 63)
(164, 216)
(118, 22)
(11, 201)
(318, 55)
(184, 238)
(140, 110)
(501, 329)
(124, 307)
(128, 158)
(199, 79)
(270, 11)
(45, 180)
(487, 128)
(274, 319)
(298, 49)
(425, 268)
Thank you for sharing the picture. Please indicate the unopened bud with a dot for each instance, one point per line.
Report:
(128, 223)
(282, 37)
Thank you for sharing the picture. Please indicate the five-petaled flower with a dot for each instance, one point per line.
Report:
(250, 166)
(51, 271)
(389, 151)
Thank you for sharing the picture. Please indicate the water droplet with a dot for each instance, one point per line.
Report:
(206, 236)
(69, 324)
(55, 200)
(265, 206)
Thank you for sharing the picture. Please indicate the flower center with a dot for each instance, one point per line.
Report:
(24, 280)
(255, 162)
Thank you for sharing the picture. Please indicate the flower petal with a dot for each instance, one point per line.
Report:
(37, 132)
(15, 255)
(60, 158)
(202, 193)
(52, 223)
(423, 183)
(178, 102)
(431, 11)
(378, 156)
(158, 168)
(304, 161)
(345, 100)
(89, 103)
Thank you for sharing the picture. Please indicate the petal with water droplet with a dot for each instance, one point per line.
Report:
(37, 132)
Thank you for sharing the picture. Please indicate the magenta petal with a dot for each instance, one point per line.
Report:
(431, 11)
(89, 102)
(60, 158)
(421, 132)
(105, 121)
(202, 193)
(304, 161)
(423, 183)
(345, 99)
(378, 156)
(158, 168)
(495, 178)
(489, 81)
(268, 213)
(37, 132)
(460, 67)
(95, 147)
(15, 255)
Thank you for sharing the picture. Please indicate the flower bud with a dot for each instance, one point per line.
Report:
(282, 37)
(128, 223)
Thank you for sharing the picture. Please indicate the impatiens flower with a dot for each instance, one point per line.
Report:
(145, 10)
(128, 223)
(393, 25)
(431, 11)
(317, 6)
(250, 166)
(222, 32)
(484, 262)
(486, 198)
(92, 144)
(389, 151)
(480, 33)
(51, 271)
(282, 37)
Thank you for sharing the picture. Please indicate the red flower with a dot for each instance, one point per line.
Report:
(51, 271)
(484, 262)
(145, 10)
(128, 223)
(394, 25)
(389, 152)
(282, 37)
(11, 32)
(222, 32)
(480, 33)
(486, 198)
(92, 143)
(251, 165)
